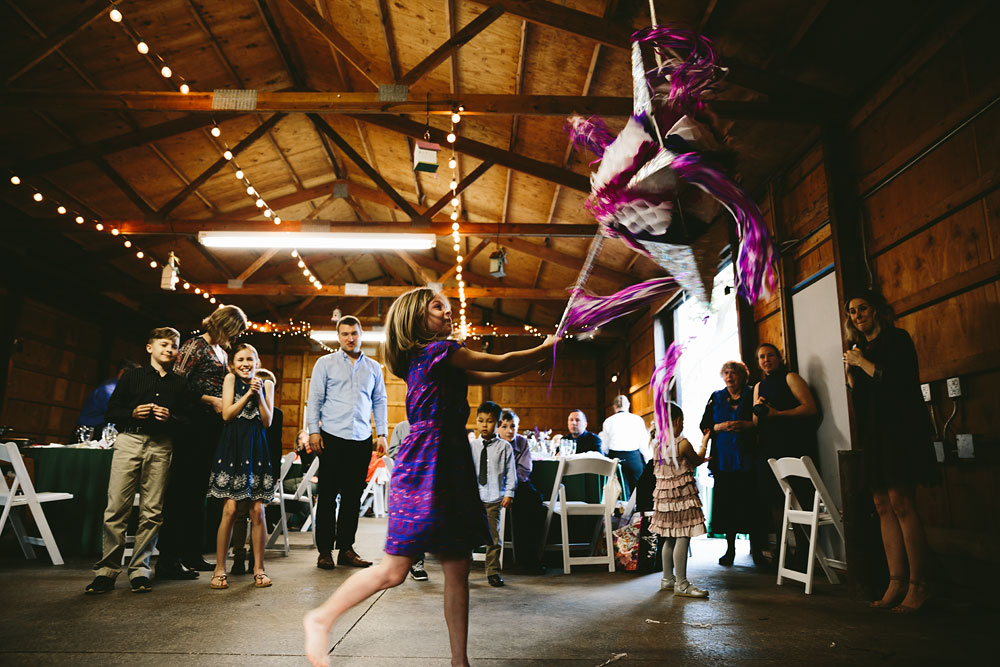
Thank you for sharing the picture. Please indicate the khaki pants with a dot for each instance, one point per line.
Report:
(140, 462)
(493, 551)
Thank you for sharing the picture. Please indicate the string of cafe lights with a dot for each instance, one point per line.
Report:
(309, 275)
(138, 252)
(142, 46)
(463, 326)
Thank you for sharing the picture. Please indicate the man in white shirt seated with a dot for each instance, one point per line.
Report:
(625, 438)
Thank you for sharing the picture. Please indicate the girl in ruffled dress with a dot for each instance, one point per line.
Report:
(677, 515)
(242, 467)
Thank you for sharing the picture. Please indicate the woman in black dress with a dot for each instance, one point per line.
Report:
(728, 419)
(895, 433)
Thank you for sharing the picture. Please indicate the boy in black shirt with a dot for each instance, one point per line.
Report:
(144, 407)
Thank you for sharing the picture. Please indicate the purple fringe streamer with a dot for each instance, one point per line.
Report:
(758, 253)
(689, 79)
(663, 377)
(590, 133)
(590, 311)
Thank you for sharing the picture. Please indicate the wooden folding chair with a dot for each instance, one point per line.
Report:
(21, 493)
(823, 513)
(558, 504)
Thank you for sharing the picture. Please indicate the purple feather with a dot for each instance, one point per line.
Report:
(590, 311)
(663, 376)
(590, 133)
(758, 253)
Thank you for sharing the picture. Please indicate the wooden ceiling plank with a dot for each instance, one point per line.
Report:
(462, 186)
(567, 261)
(391, 272)
(512, 144)
(366, 66)
(452, 44)
(264, 258)
(219, 164)
(284, 53)
(87, 15)
(418, 271)
(353, 155)
(391, 291)
(126, 189)
(486, 152)
(469, 256)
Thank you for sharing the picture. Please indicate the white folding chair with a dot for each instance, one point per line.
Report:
(21, 493)
(376, 494)
(278, 498)
(504, 544)
(303, 493)
(823, 513)
(580, 465)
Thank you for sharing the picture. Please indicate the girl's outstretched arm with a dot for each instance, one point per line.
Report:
(509, 365)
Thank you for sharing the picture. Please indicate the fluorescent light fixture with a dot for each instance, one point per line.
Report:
(318, 240)
(368, 336)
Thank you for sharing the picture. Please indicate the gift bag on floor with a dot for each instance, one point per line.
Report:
(635, 545)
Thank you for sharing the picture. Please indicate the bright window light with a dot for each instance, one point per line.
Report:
(326, 241)
(368, 336)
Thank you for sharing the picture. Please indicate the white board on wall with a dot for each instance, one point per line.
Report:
(819, 352)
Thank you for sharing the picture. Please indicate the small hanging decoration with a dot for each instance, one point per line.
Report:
(497, 261)
(169, 276)
(425, 156)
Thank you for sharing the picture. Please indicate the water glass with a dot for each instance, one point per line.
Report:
(109, 434)
(567, 447)
(83, 433)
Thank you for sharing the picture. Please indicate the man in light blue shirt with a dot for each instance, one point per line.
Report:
(346, 388)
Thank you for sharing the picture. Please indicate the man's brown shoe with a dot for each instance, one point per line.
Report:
(351, 558)
(325, 561)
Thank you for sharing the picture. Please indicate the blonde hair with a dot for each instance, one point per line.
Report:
(406, 330)
(265, 374)
(224, 324)
(244, 346)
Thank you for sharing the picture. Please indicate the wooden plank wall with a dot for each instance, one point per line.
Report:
(933, 239)
(58, 361)
(632, 359)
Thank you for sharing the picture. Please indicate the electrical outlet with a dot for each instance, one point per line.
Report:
(965, 446)
(925, 389)
(954, 388)
(939, 451)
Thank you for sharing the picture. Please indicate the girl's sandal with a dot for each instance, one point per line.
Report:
(891, 603)
(261, 580)
(219, 581)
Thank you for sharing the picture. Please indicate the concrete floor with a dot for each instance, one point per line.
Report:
(554, 620)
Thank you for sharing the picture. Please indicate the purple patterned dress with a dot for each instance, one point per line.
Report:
(434, 500)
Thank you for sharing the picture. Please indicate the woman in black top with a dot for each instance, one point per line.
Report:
(894, 430)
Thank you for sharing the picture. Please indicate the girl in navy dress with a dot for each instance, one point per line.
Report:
(434, 500)
(242, 467)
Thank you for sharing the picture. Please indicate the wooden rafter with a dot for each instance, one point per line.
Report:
(219, 164)
(564, 260)
(124, 186)
(512, 143)
(264, 258)
(365, 65)
(87, 15)
(411, 262)
(369, 171)
(389, 270)
(436, 207)
(270, 289)
(452, 44)
(469, 256)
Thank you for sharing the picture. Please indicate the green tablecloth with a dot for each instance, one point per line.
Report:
(78, 523)
(578, 487)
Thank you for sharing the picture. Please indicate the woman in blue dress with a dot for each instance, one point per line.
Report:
(434, 500)
(242, 467)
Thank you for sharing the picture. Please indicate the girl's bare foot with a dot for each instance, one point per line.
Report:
(893, 594)
(916, 598)
(317, 638)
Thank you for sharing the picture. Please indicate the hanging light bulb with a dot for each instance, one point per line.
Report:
(454, 216)
(455, 247)
(295, 253)
(458, 269)
(454, 226)
(61, 210)
(453, 185)
(197, 290)
(99, 227)
(302, 264)
(166, 72)
(228, 155)
(142, 47)
(187, 285)
(251, 191)
(216, 132)
(458, 259)
(451, 137)
(115, 15)
(239, 174)
(454, 201)
(128, 244)
(114, 231)
(205, 295)
(452, 163)
(185, 89)
(455, 118)
(79, 219)
(37, 196)
(268, 213)
(140, 254)
(212, 300)
(277, 220)
(152, 264)
(15, 180)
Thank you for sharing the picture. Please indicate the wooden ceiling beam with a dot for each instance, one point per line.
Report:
(87, 15)
(452, 44)
(369, 171)
(391, 272)
(271, 289)
(462, 186)
(264, 258)
(486, 152)
(361, 104)
(469, 256)
(138, 200)
(363, 64)
(412, 262)
(564, 260)
(166, 209)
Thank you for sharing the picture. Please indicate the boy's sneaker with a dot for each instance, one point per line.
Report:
(418, 572)
(686, 589)
(100, 584)
(141, 585)
(667, 583)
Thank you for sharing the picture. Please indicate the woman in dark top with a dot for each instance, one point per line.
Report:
(728, 420)
(894, 430)
(202, 360)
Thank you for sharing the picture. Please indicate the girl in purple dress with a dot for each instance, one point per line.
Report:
(434, 500)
